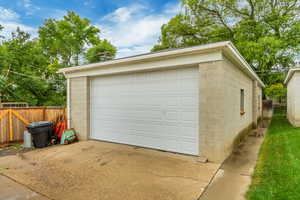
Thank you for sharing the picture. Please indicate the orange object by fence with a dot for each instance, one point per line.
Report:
(60, 127)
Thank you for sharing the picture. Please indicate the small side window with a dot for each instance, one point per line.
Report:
(259, 102)
(242, 103)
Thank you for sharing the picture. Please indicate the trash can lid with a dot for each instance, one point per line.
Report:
(39, 124)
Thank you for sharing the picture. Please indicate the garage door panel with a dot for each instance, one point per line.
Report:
(146, 129)
(150, 109)
(176, 105)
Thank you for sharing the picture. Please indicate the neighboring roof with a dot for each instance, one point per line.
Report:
(291, 73)
(227, 46)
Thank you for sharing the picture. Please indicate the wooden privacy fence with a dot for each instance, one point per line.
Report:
(13, 121)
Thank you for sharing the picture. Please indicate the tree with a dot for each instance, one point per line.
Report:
(67, 40)
(276, 91)
(26, 74)
(28, 67)
(1, 28)
(266, 32)
(101, 52)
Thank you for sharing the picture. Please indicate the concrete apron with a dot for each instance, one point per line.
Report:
(10, 190)
(232, 180)
(107, 171)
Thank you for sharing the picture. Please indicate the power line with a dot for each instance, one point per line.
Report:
(35, 77)
(12, 92)
(39, 68)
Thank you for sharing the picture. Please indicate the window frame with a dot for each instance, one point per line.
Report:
(242, 101)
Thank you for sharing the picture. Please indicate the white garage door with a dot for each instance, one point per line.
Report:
(150, 109)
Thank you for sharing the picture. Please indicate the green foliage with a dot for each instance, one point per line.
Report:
(267, 33)
(25, 75)
(1, 28)
(67, 39)
(28, 67)
(276, 91)
(277, 172)
(101, 52)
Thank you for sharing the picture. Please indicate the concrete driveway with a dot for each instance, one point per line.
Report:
(100, 170)
(10, 190)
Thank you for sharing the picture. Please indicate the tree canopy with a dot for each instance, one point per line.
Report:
(102, 51)
(276, 91)
(266, 32)
(69, 39)
(28, 67)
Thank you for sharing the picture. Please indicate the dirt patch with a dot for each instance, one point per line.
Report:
(99, 170)
(13, 149)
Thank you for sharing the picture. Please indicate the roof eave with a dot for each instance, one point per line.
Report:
(243, 62)
(290, 74)
(140, 58)
(177, 52)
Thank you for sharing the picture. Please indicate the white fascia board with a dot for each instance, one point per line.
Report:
(146, 57)
(165, 59)
(170, 63)
(243, 63)
(290, 74)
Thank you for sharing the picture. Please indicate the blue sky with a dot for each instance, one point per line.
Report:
(133, 26)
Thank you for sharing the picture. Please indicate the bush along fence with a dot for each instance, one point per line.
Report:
(13, 121)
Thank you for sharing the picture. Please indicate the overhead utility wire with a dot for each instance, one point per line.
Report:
(35, 77)
(11, 92)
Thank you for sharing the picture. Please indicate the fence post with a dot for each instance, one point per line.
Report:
(10, 119)
(10, 126)
(44, 113)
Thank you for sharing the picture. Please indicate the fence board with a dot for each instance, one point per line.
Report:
(30, 114)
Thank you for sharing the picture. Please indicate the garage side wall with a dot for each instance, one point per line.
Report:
(260, 104)
(79, 106)
(221, 121)
(257, 103)
(237, 125)
(211, 110)
(293, 99)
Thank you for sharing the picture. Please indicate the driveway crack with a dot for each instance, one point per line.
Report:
(165, 176)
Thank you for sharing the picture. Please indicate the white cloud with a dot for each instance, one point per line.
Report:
(28, 6)
(10, 21)
(12, 26)
(134, 32)
(8, 15)
(56, 14)
(135, 29)
(27, 3)
(124, 13)
(173, 8)
(135, 50)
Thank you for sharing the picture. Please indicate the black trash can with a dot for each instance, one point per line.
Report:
(41, 133)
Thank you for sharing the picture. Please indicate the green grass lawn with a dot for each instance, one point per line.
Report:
(277, 173)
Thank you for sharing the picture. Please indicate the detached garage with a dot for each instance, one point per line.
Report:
(198, 100)
(293, 96)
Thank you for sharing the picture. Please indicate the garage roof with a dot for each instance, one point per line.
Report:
(290, 74)
(226, 47)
